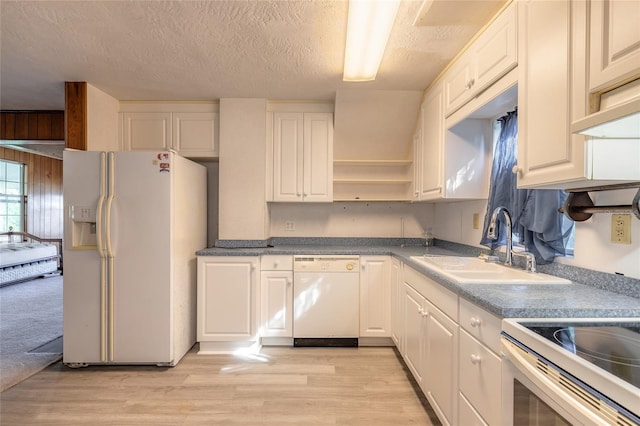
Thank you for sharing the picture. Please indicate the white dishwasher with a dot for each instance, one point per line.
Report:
(326, 299)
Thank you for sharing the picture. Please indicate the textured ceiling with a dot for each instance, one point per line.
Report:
(206, 50)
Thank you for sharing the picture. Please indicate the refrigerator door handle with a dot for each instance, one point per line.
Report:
(110, 198)
(103, 259)
(110, 255)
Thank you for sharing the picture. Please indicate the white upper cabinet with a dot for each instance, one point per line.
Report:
(614, 44)
(454, 138)
(144, 131)
(302, 169)
(189, 129)
(552, 94)
(549, 91)
(195, 134)
(453, 155)
(488, 58)
(429, 147)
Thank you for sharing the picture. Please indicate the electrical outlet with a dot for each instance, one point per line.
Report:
(621, 228)
(289, 225)
(476, 221)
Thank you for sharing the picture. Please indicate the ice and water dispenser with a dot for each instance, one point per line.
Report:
(83, 227)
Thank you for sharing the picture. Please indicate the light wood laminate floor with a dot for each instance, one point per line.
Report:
(279, 386)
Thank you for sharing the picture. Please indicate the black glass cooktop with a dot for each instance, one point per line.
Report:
(615, 349)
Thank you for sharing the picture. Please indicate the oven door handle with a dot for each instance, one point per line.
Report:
(511, 353)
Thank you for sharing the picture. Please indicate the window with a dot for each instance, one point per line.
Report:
(536, 224)
(12, 196)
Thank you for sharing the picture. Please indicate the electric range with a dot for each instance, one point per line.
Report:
(601, 357)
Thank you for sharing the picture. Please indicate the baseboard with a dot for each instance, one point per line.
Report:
(218, 348)
(376, 341)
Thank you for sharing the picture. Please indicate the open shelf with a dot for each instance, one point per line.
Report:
(372, 180)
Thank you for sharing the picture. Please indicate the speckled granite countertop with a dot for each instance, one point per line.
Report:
(589, 295)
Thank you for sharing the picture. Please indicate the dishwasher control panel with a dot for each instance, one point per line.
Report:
(326, 263)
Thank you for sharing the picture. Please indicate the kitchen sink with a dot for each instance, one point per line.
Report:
(473, 270)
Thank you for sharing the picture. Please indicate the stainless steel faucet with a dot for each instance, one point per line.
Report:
(491, 232)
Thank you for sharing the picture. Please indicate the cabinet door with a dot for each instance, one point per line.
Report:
(480, 378)
(550, 96)
(276, 307)
(496, 51)
(147, 131)
(417, 160)
(614, 43)
(397, 329)
(318, 157)
(287, 156)
(490, 57)
(413, 331)
(227, 298)
(440, 381)
(432, 140)
(459, 82)
(375, 289)
(195, 134)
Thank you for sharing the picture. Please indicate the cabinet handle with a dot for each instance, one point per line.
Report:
(475, 322)
(423, 312)
(516, 170)
(470, 83)
(475, 359)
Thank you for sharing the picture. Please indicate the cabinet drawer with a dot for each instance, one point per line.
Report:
(276, 263)
(481, 324)
(443, 298)
(480, 378)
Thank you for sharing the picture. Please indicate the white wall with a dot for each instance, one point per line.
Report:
(593, 247)
(212, 199)
(345, 219)
(454, 221)
(243, 213)
(102, 121)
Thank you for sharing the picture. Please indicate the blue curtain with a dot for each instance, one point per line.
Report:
(537, 224)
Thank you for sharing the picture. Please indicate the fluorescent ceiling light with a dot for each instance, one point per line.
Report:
(368, 28)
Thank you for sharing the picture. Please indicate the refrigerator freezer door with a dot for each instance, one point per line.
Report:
(84, 301)
(140, 241)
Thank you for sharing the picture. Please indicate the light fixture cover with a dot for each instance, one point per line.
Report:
(368, 29)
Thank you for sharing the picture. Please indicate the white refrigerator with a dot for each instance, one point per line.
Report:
(133, 222)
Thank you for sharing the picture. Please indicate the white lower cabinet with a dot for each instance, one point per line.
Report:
(375, 304)
(397, 291)
(414, 332)
(451, 347)
(431, 342)
(467, 415)
(441, 375)
(228, 294)
(276, 298)
(479, 365)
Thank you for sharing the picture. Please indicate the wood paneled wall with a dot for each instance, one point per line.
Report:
(44, 192)
(32, 125)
